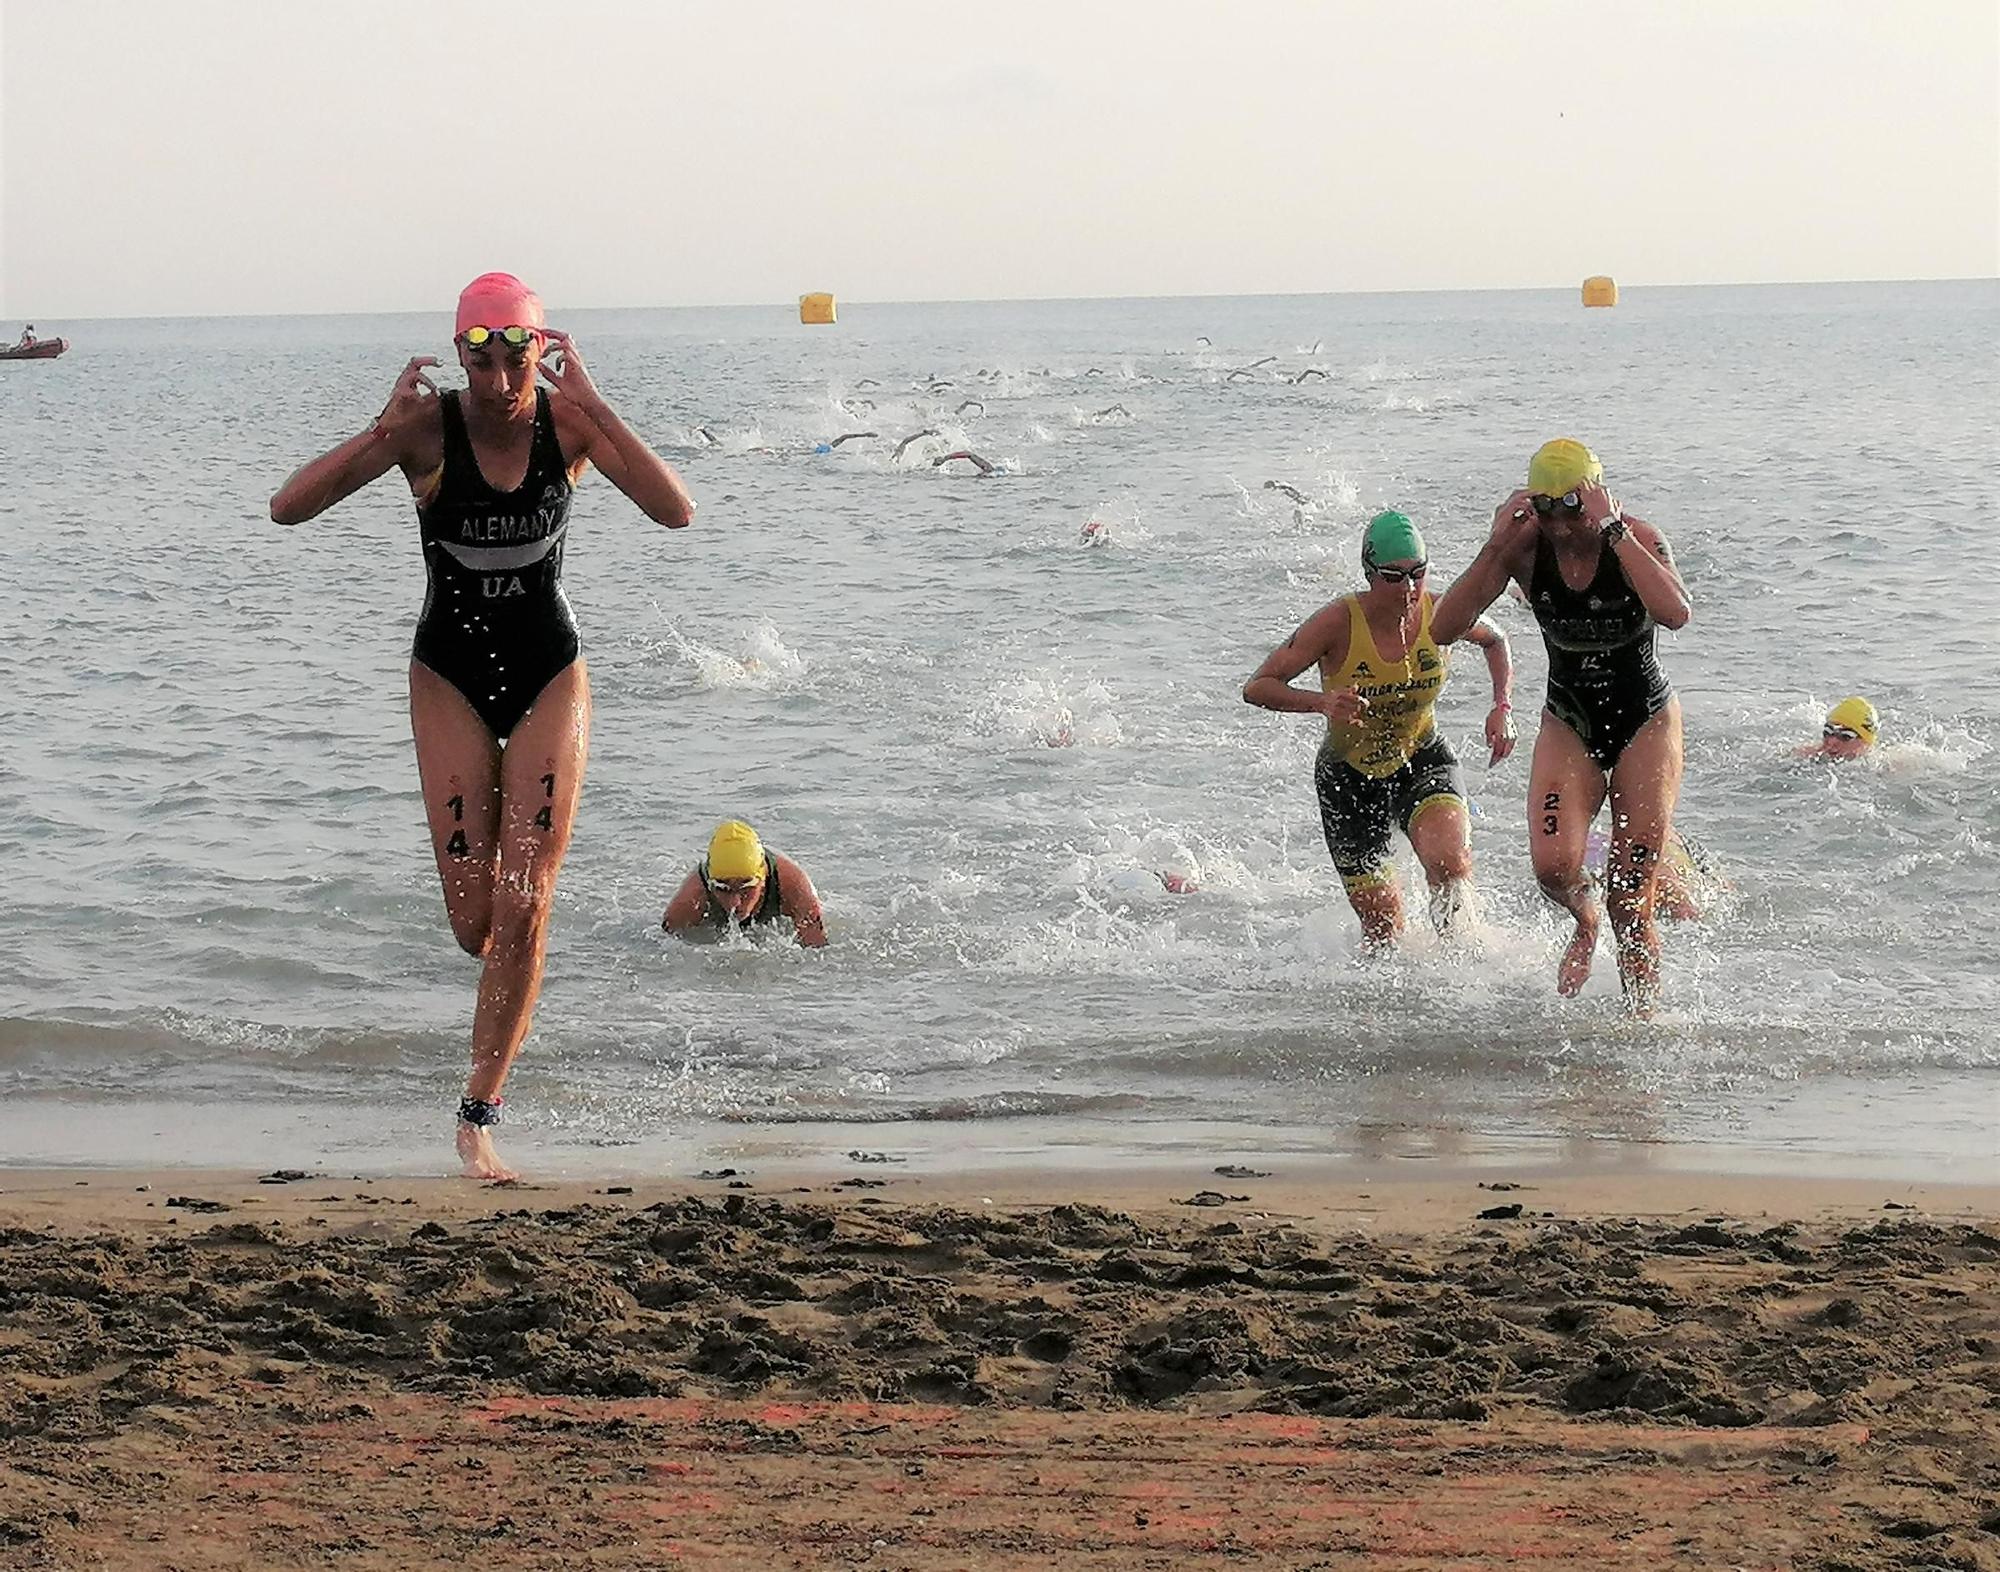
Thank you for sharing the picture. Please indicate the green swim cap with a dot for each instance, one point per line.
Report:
(1391, 537)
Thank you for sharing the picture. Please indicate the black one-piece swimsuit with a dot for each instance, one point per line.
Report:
(1605, 680)
(496, 624)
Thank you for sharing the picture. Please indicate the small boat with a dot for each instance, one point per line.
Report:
(41, 349)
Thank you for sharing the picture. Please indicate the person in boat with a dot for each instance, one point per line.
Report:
(27, 340)
(742, 884)
(499, 696)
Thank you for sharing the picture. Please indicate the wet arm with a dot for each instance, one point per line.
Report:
(1473, 591)
(319, 483)
(689, 905)
(1649, 569)
(1499, 659)
(1270, 685)
(798, 900)
(634, 468)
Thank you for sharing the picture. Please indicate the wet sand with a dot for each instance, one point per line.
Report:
(866, 1367)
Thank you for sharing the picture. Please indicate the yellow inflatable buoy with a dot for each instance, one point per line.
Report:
(815, 310)
(1600, 291)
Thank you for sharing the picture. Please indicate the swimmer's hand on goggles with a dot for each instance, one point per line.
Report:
(1515, 520)
(412, 391)
(565, 372)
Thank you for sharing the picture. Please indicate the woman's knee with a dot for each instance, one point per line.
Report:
(1448, 863)
(521, 917)
(1564, 883)
(468, 902)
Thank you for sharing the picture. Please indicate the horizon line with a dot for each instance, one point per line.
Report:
(790, 302)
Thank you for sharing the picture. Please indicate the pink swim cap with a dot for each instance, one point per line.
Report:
(498, 300)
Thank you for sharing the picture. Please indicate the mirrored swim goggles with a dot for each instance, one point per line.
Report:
(1845, 733)
(512, 337)
(1569, 502)
(733, 886)
(1398, 575)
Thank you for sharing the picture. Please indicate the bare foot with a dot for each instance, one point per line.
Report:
(475, 1151)
(1574, 971)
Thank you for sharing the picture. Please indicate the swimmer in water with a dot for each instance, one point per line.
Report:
(1849, 731)
(1689, 880)
(742, 884)
(984, 467)
(1384, 765)
(1293, 492)
(499, 699)
(915, 436)
(1599, 583)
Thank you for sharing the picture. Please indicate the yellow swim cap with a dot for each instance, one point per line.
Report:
(734, 852)
(1561, 466)
(1858, 716)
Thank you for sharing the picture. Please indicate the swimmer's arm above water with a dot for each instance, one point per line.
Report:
(1270, 686)
(1643, 556)
(1504, 556)
(798, 900)
(334, 476)
(689, 905)
(592, 432)
(1500, 667)
(1649, 568)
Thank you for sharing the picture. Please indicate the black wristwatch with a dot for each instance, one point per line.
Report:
(1614, 529)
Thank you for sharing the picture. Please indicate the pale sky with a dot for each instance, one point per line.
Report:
(166, 157)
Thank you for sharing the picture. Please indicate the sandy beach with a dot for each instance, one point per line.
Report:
(877, 1368)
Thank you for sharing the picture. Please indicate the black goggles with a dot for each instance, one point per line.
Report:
(1398, 575)
(1568, 502)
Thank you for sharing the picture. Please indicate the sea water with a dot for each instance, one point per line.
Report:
(987, 715)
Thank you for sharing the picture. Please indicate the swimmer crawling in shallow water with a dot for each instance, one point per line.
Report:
(743, 884)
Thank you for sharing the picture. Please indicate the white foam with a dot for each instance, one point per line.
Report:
(759, 659)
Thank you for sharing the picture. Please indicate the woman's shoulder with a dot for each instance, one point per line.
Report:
(575, 431)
